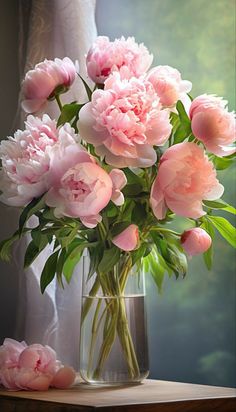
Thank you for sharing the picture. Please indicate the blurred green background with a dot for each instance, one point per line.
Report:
(192, 324)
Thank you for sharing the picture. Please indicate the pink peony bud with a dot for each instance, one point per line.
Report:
(128, 239)
(195, 241)
(41, 82)
(212, 124)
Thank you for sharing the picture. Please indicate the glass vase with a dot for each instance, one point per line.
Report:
(113, 338)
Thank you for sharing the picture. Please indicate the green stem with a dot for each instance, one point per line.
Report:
(93, 336)
(88, 302)
(58, 100)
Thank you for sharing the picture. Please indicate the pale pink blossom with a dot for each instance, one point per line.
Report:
(119, 181)
(124, 121)
(39, 83)
(185, 178)
(213, 124)
(10, 352)
(26, 159)
(128, 239)
(195, 241)
(169, 85)
(122, 55)
(83, 191)
(32, 367)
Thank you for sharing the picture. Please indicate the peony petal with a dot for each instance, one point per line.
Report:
(64, 378)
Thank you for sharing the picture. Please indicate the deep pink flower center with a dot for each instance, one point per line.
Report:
(75, 189)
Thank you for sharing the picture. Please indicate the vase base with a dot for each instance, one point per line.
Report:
(120, 382)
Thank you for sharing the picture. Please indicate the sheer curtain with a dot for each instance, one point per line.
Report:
(49, 29)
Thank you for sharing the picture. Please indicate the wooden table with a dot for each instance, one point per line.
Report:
(150, 396)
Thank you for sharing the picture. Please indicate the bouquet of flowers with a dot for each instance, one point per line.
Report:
(110, 175)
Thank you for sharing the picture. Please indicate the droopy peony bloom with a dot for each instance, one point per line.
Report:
(33, 367)
(128, 239)
(41, 82)
(124, 121)
(213, 124)
(119, 181)
(83, 191)
(169, 85)
(125, 56)
(26, 159)
(185, 178)
(195, 241)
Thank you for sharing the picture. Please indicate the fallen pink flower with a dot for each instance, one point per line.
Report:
(32, 367)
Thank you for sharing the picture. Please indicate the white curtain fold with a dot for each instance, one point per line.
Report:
(56, 28)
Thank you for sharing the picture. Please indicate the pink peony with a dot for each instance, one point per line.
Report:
(26, 159)
(169, 85)
(10, 352)
(124, 56)
(128, 239)
(33, 367)
(213, 124)
(41, 82)
(185, 178)
(118, 181)
(124, 121)
(83, 191)
(195, 241)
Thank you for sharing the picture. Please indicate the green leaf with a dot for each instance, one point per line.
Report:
(87, 88)
(132, 177)
(39, 238)
(139, 253)
(132, 189)
(72, 258)
(49, 271)
(109, 259)
(6, 244)
(29, 210)
(128, 208)
(221, 163)
(33, 250)
(220, 204)
(139, 214)
(208, 255)
(118, 228)
(155, 268)
(178, 260)
(182, 113)
(95, 258)
(224, 228)
(66, 235)
(180, 134)
(69, 111)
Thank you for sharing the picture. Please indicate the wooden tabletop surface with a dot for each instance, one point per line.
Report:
(150, 396)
